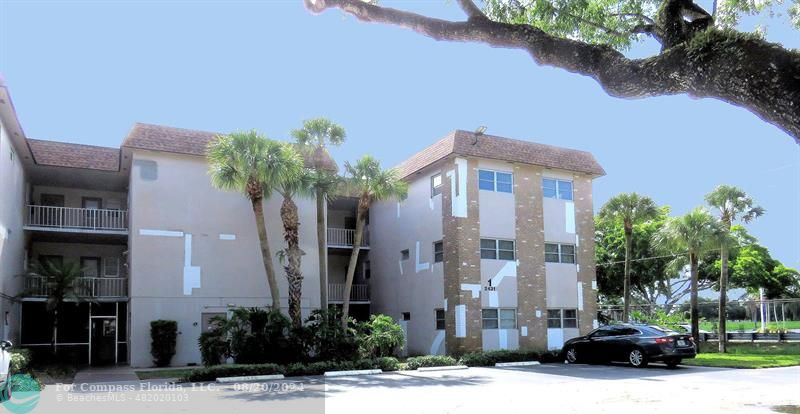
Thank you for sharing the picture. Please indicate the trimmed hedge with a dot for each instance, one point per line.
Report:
(489, 358)
(430, 361)
(291, 370)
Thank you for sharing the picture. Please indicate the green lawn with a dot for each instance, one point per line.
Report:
(163, 373)
(760, 355)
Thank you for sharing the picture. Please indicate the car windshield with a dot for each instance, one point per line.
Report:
(663, 330)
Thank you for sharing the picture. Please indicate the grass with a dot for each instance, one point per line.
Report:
(163, 373)
(760, 355)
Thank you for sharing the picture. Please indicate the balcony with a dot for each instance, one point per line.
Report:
(87, 287)
(76, 220)
(358, 293)
(343, 238)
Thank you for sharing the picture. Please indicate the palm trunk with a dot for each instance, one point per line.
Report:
(351, 268)
(322, 250)
(55, 332)
(693, 299)
(291, 233)
(626, 283)
(266, 256)
(723, 300)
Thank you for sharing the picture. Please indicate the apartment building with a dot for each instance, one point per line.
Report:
(491, 250)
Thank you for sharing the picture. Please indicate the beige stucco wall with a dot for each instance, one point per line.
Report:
(497, 213)
(73, 197)
(181, 200)
(12, 237)
(418, 288)
(562, 285)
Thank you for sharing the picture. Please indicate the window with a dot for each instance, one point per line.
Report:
(495, 181)
(503, 318)
(570, 318)
(439, 319)
(562, 318)
(438, 251)
(560, 189)
(554, 318)
(436, 185)
(497, 249)
(404, 255)
(406, 316)
(90, 266)
(559, 253)
(111, 267)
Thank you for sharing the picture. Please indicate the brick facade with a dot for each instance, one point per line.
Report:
(584, 221)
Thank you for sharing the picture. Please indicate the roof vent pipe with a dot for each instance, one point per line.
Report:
(478, 132)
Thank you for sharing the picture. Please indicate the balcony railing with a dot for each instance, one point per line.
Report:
(345, 237)
(90, 287)
(358, 293)
(77, 218)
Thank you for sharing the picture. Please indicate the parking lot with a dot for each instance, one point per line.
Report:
(549, 388)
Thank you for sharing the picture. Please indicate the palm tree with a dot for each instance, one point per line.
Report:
(371, 183)
(628, 209)
(61, 284)
(300, 184)
(733, 204)
(254, 165)
(313, 138)
(691, 234)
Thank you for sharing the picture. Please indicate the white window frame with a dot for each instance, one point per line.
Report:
(562, 312)
(437, 319)
(497, 249)
(105, 267)
(494, 180)
(498, 318)
(558, 194)
(436, 189)
(561, 253)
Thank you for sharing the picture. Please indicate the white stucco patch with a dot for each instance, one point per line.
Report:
(595, 325)
(580, 296)
(458, 188)
(191, 274)
(162, 233)
(444, 304)
(474, 288)
(437, 343)
(421, 266)
(493, 299)
(400, 263)
(523, 330)
(224, 236)
(398, 209)
(594, 284)
(569, 213)
(538, 313)
(430, 203)
(502, 338)
(555, 338)
(461, 321)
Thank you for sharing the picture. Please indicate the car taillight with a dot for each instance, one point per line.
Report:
(691, 338)
(663, 340)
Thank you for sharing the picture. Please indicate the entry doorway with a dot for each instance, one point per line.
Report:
(103, 343)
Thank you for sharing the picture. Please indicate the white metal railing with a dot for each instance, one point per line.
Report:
(76, 218)
(95, 287)
(345, 237)
(358, 293)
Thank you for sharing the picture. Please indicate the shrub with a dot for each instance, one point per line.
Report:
(489, 358)
(20, 359)
(258, 336)
(387, 363)
(381, 335)
(164, 335)
(327, 340)
(430, 361)
(213, 347)
(212, 373)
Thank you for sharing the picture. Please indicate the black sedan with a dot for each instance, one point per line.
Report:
(635, 344)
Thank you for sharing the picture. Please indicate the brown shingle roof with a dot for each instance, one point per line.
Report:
(506, 149)
(64, 154)
(187, 141)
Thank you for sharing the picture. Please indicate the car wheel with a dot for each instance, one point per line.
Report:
(637, 358)
(672, 363)
(571, 355)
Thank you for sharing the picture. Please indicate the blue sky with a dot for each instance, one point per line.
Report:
(86, 71)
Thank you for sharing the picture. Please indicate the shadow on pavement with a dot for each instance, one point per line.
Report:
(613, 371)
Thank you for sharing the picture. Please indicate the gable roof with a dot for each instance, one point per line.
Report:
(64, 154)
(466, 143)
(191, 142)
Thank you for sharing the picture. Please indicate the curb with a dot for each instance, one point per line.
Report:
(249, 378)
(444, 368)
(352, 372)
(517, 364)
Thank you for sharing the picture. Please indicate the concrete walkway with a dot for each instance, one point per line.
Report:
(94, 375)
